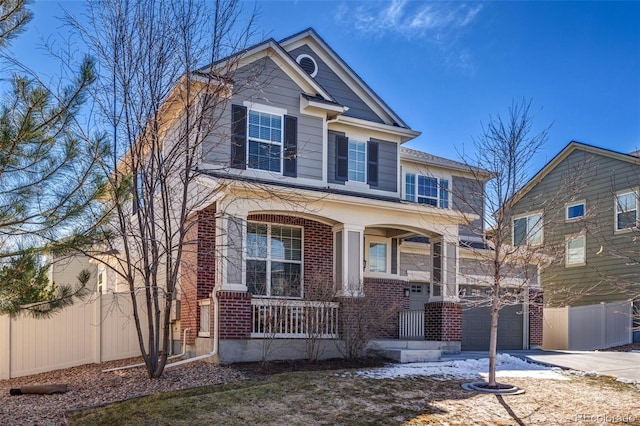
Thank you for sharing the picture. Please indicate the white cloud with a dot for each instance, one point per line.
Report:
(438, 23)
(407, 18)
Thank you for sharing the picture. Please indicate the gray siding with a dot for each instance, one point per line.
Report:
(604, 278)
(338, 89)
(467, 196)
(414, 262)
(235, 226)
(271, 87)
(67, 268)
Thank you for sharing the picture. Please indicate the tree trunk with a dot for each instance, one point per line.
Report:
(493, 339)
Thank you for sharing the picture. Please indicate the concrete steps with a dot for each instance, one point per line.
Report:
(405, 351)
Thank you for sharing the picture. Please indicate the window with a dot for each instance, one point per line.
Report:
(575, 251)
(626, 210)
(429, 190)
(575, 211)
(274, 260)
(377, 257)
(102, 279)
(357, 161)
(265, 141)
(410, 187)
(527, 230)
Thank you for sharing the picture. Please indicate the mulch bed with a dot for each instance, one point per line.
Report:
(258, 369)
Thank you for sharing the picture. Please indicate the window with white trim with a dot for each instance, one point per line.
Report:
(575, 250)
(265, 141)
(626, 210)
(274, 260)
(377, 257)
(527, 230)
(357, 161)
(575, 211)
(429, 190)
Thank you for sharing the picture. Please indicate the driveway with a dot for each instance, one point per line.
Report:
(617, 364)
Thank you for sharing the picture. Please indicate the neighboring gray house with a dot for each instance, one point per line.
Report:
(594, 278)
(320, 197)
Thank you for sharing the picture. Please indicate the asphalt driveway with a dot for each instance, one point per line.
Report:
(616, 364)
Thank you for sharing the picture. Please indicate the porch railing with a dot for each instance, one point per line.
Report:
(204, 327)
(412, 324)
(294, 319)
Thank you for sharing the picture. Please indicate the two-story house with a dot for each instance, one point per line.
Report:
(322, 207)
(594, 278)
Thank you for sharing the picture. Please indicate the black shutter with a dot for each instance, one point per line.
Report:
(342, 158)
(372, 163)
(238, 137)
(290, 146)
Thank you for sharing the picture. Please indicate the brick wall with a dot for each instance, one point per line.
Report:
(443, 321)
(197, 268)
(535, 318)
(235, 314)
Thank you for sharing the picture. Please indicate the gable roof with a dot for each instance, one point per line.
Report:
(562, 155)
(433, 160)
(343, 70)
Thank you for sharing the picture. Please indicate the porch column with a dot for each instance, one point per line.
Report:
(230, 234)
(444, 262)
(348, 259)
(443, 312)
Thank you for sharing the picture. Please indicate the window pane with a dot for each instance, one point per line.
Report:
(444, 193)
(576, 250)
(626, 210)
(575, 211)
(377, 257)
(627, 220)
(430, 201)
(428, 186)
(285, 279)
(286, 243)
(519, 231)
(257, 277)
(257, 240)
(264, 156)
(410, 187)
(534, 228)
(357, 161)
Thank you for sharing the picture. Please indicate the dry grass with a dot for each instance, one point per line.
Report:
(327, 397)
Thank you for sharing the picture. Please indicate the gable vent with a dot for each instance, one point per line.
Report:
(308, 64)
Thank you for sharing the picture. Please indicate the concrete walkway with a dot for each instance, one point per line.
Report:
(617, 364)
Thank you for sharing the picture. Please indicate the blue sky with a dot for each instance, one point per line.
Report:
(445, 67)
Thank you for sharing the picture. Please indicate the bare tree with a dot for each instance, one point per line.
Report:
(506, 266)
(47, 175)
(161, 106)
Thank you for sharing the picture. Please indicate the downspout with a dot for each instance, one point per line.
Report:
(184, 350)
(214, 352)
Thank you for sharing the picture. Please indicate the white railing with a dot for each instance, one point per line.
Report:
(412, 324)
(204, 328)
(486, 280)
(294, 319)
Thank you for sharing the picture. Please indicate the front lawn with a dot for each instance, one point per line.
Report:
(345, 397)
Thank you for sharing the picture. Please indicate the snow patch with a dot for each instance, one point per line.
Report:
(506, 366)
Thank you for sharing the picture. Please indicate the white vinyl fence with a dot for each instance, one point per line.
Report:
(96, 330)
(587, 327)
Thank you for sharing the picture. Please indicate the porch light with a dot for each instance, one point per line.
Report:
(406, 292)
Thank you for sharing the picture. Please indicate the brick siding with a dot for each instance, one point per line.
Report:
(535, 318)
(235, 314)
(443, 321)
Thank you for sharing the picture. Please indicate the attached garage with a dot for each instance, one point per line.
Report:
(476, 327)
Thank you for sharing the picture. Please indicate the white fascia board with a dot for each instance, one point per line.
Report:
(404, 134)
(330, 110)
